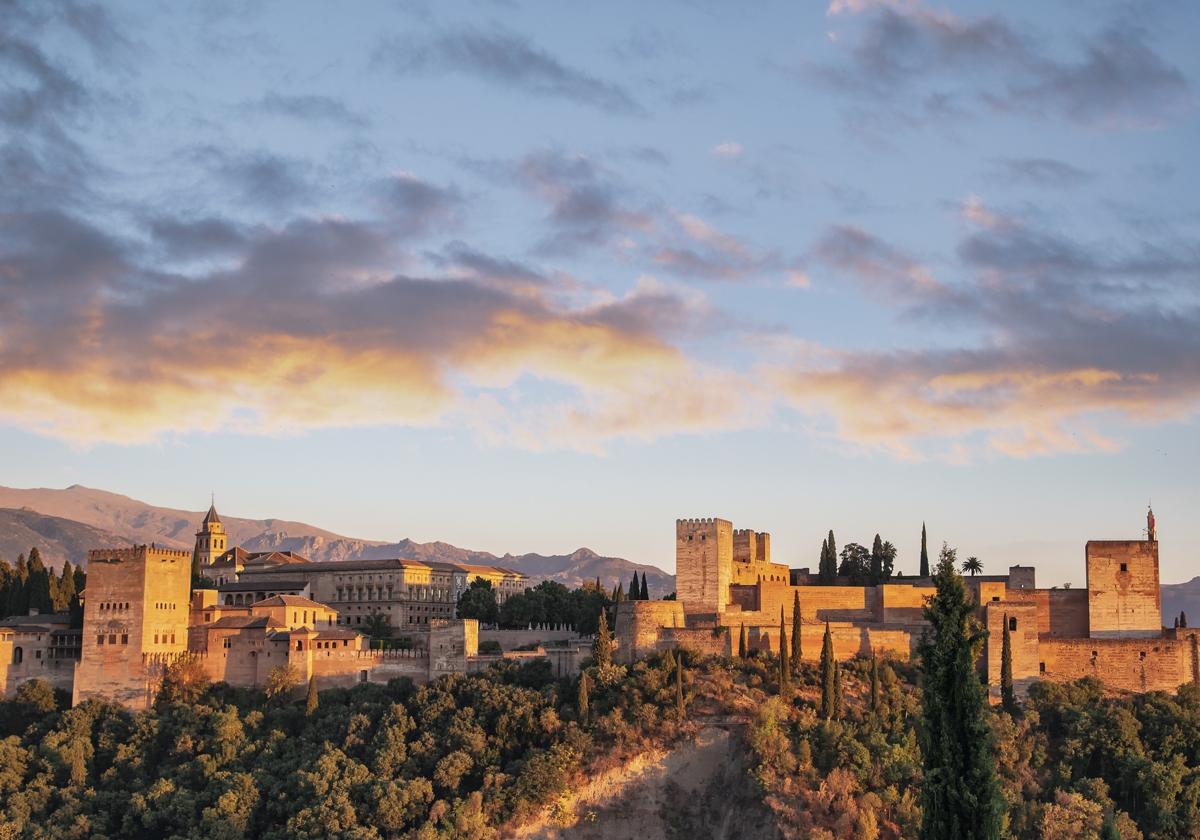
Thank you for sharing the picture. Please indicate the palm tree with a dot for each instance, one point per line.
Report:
(972, 566)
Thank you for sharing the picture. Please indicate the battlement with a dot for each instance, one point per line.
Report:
(136, 553)
(690, 524)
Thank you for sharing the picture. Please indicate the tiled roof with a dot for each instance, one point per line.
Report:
(290, 601)
(244, 622)
(274, 585)
(211, 516)
(385, 564)
(48, 621)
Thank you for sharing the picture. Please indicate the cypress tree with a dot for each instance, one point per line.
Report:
(784, 657)
(924, 554)
(645, 594)
(619, 595)
(1008, 698)
(837, 690)
(668, 662)
(874, 683)
(311, 702)
(635, 588)
(742, 642)
(40, 595)
(602, 646)
(679, 704)
(960, 795)
(828, 676)
(18, 596)
(797, 647)
(1109, 830)
(1182, 619)
(583, 697)
(65, 592)
(876, 575)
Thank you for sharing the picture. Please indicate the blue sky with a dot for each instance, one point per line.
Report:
(529, 276)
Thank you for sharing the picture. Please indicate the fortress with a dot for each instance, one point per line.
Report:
(268, 610)
(1112, 629)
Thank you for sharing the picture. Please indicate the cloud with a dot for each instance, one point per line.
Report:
(728, 149)
(311, 107)
(415, 207)
(1040, 172)
(503, 57)
(910, 50)
(874, 262)
(258, 178)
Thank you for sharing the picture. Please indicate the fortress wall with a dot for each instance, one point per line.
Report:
(749, 574)
(638, 625)
(742, 598)
(902, 603)
(1122, 664)
(707, 641)
(1024, 640)
(1123, 593)
(510, 639)
(849, 640)
(1061, 612)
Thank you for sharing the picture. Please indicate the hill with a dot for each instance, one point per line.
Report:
(1181, 597)
(78, 518)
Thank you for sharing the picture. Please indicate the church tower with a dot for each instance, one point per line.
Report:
(210, 539)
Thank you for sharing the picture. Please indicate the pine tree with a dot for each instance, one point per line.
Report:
(311, 702)
(645, 593)
(602, 646)
(960, 794)
(679, 704)
(797, 646)
(583, 696)
(1007, 698)
(924, 554)
(784, 659)
(876, 574)
(874, 683)
(635, 588)
(742, 642)
(828, 676)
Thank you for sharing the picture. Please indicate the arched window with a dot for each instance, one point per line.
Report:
(18, 656)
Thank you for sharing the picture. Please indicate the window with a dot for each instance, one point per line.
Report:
(124, 638)
(1012, 624)
(1124, 567)
(1041, 667)
(99, 640)
(112, 638)
(362, 676)
(19, 655)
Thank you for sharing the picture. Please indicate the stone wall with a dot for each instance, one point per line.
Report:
(703, 563)
(1023, 635)
(638, 626)
(510, 639)
(1161, 664)
(1123, 593)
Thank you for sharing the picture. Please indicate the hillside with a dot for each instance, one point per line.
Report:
(1181, 597)
(78, 518)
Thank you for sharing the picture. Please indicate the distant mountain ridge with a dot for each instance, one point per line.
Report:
(65, 523)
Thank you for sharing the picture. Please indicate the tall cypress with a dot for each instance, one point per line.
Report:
(784, 657)
(837, 690)
(679, 704)
(742, 642)
(635, 588)
(828, 676)
(876, 574)
(960, 795)
(924, 554)
(797, 645)
(602, 645)
(619, 595)
(583, 697)
(874, 683)
(645, 595)
(65, 592)
(311, 702)
(1008, 698)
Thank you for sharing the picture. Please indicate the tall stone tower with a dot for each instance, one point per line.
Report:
(210, 539)
(135, 620)
(703, 564)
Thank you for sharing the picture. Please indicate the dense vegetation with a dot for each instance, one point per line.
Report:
(31, 584)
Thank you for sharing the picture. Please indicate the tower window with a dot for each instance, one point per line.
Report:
(1012, 624)
(1124, 567)
(1041, 667)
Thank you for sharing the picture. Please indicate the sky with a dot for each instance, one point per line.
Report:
(532, 276)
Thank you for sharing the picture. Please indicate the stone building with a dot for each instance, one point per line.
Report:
(38, 647)
(1112, 629)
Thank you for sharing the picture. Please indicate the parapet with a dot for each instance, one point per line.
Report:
(687, 524)
(137, 552)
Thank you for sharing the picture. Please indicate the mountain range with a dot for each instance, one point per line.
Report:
(65, 523)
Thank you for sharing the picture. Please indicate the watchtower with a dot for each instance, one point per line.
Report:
(1123, 593)
(703, 564)
(210, 539)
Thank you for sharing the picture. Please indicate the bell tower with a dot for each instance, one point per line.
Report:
(210, 539)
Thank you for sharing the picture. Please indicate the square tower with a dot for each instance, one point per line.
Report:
(703, 564)
(1123, 593)
(135, 619)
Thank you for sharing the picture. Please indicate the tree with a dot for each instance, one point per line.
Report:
(874, 683)
(311, 701)
(645, 594)
(377, 626)
(837, 690)
(635, 588)
(856, 563)
(827, 569)
(680, 707)
(1007, 698)
(828, 676)
(742, 642)
(583, 697)
(602, 646)
(1182, 619)
(960, 793)
(972, 566)
(280, 681)
(65, 590)
(875, 576)
(184, 681)
(479, 601)
(784, 657)
(924, 554)
(888, 555)
(797, 645)
(619, 595)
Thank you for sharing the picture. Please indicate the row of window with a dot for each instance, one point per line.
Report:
(107, 606)
(112, 638)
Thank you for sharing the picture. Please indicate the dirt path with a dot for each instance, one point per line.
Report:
(699, 789)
